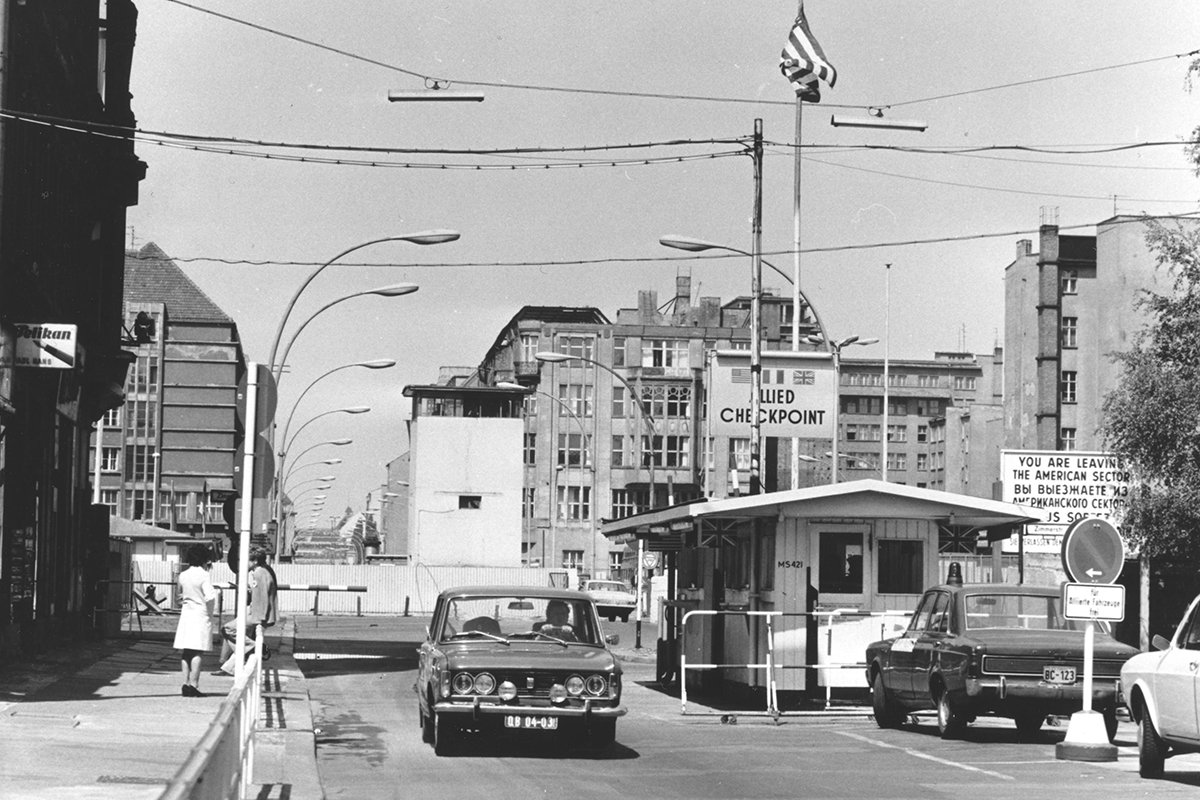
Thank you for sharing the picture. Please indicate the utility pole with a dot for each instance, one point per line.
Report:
(756, 319)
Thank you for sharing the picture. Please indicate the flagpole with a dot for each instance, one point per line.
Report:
(796, 314)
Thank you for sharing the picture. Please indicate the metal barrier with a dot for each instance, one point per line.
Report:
(317, 589)
(221, 765)
(770, 665)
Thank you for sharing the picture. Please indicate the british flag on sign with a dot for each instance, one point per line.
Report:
(804, 377)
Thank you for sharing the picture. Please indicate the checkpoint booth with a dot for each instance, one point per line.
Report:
(784, 590)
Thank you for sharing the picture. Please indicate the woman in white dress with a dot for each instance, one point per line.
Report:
(193, 636)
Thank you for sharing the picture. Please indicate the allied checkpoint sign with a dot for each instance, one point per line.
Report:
(1069, 485)
(797, 400)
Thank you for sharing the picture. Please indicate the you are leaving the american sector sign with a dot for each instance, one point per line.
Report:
(1067, 485)
(797, 397)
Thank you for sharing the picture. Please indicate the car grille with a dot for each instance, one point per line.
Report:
(1031, 665)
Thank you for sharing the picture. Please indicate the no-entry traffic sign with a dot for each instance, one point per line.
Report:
(1092, 551)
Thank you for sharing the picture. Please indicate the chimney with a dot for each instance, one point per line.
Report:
(683, 293)
(1024, 247)
(647, 305)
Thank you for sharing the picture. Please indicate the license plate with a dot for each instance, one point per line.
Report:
(1058, 674)
(531, 723)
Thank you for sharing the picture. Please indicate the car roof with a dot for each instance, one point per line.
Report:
(501, 590)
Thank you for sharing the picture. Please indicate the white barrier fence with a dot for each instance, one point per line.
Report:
(387, 589)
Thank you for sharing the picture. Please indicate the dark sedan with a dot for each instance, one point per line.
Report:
(509, 659)
(998, 649)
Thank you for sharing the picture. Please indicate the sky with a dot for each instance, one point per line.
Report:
(1048, 96)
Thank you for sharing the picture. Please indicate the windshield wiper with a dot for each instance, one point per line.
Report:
(484, 633)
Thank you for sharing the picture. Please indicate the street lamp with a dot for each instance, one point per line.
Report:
(398, 290)
(297, 467)
(835, 347)
(559, 358)
(348, 410)
(430, 237)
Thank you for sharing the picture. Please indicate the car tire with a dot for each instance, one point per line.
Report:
(1029, 725)
(602, 733)
(625, 617)
(426, 727)
(444, 735)
(950, 720)
(1152, 751)
(887, 713)
(1110, 722)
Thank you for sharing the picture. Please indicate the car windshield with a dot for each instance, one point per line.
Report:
(507, 618)
(1027, 612)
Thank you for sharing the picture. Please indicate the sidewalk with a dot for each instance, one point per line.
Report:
(105, 719)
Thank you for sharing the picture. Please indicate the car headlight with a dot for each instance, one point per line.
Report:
(484, 683)
(508, 691)
(558, 693)
(574, 686)
(464, 683)
(595, 685)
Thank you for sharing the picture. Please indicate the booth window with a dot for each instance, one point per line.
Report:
(841, 563)
(901, 566)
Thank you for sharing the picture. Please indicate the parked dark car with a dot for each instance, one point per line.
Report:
(999, 649)
(506, 659)
(1162, 689)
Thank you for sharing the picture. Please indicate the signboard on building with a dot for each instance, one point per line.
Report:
(797, 399)
(1068, 485)
(46, 345)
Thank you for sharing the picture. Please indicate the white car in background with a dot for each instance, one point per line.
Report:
(1162, 690)
(613, 599)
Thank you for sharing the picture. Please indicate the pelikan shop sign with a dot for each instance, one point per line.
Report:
(797, 397)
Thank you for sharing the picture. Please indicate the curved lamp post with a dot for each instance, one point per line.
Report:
(422, 238)
(348, 410)
(380, 363)
(835, 346)
(327, 462)
(398, 290)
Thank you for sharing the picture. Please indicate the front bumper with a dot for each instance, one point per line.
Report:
(993, 692)
(480, 707)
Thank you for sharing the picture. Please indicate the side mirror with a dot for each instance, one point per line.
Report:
(1159, 643)
(612, 639)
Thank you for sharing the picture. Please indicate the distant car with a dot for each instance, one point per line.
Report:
(506, 659)
(1162, 690)
(613, 599)
(997, 649)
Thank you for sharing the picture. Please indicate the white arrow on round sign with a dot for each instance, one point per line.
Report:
(1092, 551)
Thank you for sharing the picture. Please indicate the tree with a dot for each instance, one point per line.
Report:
(1152, 416)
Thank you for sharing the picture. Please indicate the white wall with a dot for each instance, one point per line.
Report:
(454, 457)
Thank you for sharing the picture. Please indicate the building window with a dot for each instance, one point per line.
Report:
(898, 407)
(574, 398)
(112, 418)
(530, 342)
(964, 382)
(470, 501)
(1069, 379)
(840, 563)
(922, 433)
(862, 433)
(615, 559)
(862, 405)
(529, 406)
(576, 346)
(618, 402)
(572, 450)
(897, 433)
(110, 458)
(739, 454)
(1070, 330)
(930, 407)
(108, 497)
(530, 449)
(618, 351)
(665, 353)
(1068, 439)
(668, 402)
(575, 502)
(861, 461)
(927, 381)
(623, 503)
(922, 461)
(901, 566)
(528, 498)
(897, 461)
(572, 559)
(897, 379)
(676, 451)
(1070, 280)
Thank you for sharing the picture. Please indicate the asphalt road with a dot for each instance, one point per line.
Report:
(360, 673)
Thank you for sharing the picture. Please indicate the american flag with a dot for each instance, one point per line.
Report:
(803, 61)
(741, 375)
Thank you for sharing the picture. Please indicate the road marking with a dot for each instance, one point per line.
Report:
(926, 756)
(339, 656)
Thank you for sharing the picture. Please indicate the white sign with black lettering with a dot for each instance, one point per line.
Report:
(797, 397)
(1098, 601)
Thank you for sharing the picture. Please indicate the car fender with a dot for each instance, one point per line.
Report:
(1141, 695)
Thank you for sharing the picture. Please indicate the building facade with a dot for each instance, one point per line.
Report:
(167, 456)
(63, 201)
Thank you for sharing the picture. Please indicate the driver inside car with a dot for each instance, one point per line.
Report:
(556, 624)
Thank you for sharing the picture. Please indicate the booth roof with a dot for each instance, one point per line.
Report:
(865, 499)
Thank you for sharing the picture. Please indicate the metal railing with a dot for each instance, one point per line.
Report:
(221, 765)
(771, 664)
